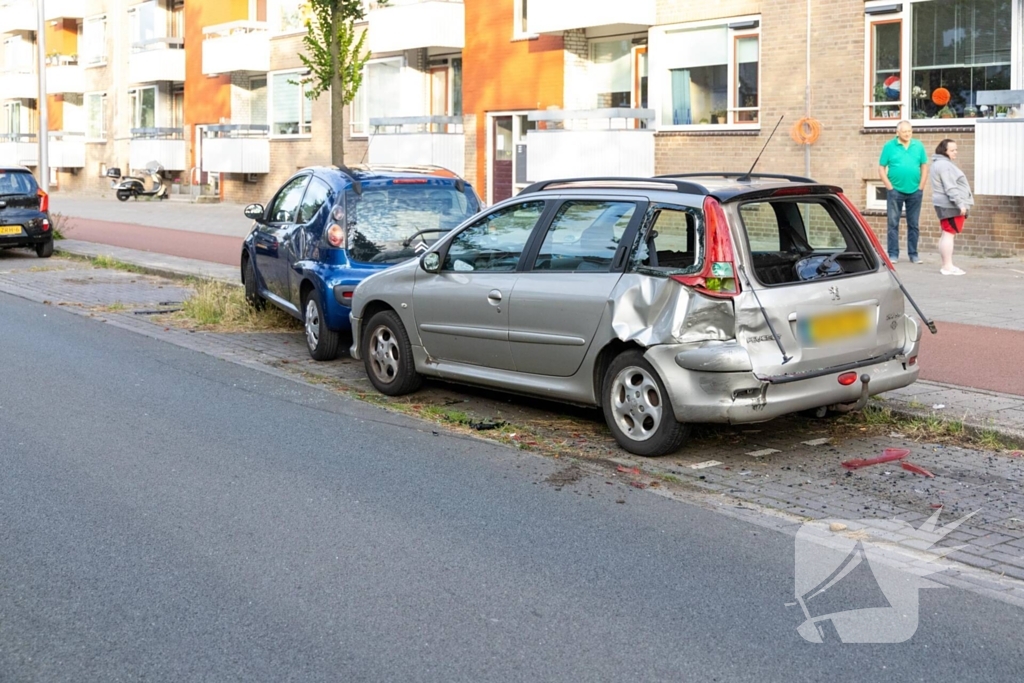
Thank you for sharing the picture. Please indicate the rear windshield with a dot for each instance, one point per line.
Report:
(391, 223)
(670, 242)
(17, 183)
(793, 240)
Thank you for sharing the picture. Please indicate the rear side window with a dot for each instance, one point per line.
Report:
(671, 243)
(316, 194)
(795, 240)
(584, 236)
(17, 183)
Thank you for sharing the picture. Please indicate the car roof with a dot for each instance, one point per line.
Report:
(15, 168)
(724, 186)
(388, 171)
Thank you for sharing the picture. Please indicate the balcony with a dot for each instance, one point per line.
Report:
(599, 142)
(64, 76)
(64, 9)
(66, 150)
(160, 59)
(237, 47)
(165, 146)
(17, 15)
(555, 16)
(237, 148)
(18, 86)
(18, 150)
(998, 165)
(419, 141)
(414, 24)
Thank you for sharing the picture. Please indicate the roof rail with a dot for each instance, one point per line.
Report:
(718, 174)
(622, 182)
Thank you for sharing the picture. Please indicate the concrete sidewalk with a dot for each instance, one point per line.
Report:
(978, 410)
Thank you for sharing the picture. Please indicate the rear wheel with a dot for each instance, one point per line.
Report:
(252, 291)
(124, 195)
(637, 408)
(45, 250)
(321, 341)
(387, 355)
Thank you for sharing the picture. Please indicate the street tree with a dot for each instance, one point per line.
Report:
(335, 57)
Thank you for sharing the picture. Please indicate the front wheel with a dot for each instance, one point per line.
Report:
(637, 408)
(387, 355)
(124, 195)
(321, 341)
(252, 291)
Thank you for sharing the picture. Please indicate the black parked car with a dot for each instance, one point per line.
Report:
(24, 212)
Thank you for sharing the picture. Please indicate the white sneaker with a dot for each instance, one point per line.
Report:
(952, 271)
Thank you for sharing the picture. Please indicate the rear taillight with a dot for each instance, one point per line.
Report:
(336, 236)
(46, 225)
(44, 200)
(718, 277)
(867, 229)
(912, 360)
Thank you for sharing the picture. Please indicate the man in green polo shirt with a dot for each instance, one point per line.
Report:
(903, 168)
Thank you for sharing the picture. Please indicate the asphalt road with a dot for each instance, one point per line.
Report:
(170, 517)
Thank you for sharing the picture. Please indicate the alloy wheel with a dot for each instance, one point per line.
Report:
(636, 403)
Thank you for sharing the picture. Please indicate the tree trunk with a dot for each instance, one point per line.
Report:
(337, 96)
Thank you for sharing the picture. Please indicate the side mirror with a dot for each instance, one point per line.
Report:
(431, 262)
(255, 212)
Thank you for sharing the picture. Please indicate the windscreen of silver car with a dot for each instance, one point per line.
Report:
(669, 244)
(390, 223)
(794, 240)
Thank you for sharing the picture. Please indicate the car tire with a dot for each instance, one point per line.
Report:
(45, 250)
(252, 291)
(387, 355)
(637, 408)
(321, 341)
(124, 195)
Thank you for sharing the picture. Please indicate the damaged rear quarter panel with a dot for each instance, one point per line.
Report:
(658, 310)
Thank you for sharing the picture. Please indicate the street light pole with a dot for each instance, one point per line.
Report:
(44, 123)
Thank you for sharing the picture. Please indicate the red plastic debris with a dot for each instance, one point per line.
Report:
(937, 506)
(627, 470)
(888, 455)
(1017, 454)
(911, 467)
(638, 484)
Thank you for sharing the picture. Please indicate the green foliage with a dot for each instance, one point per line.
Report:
(335, 57)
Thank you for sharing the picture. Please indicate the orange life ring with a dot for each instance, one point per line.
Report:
(806, 131)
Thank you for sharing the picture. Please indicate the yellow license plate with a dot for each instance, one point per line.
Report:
(10, 229)
(832, 327)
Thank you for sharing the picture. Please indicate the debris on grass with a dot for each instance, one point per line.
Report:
(485, 425)
(889, 455)
(917, 469)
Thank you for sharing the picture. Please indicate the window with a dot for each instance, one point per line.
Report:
(495, 242)
(94, 31)
(584, 236)
(708, 74)
(927, 59)
(142, 21)
(96, 116)
(18, 56)
(290, 15)
(669, 247)
(611, 72)
(291, 109)
(316, 196)
(519, 23)
(142, 104)
(286, 205)
(380, 94)
(12, 118)
(878, 196)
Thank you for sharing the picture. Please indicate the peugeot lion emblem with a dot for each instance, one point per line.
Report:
(834, 291)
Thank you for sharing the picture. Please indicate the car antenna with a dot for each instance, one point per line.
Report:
(746, 177)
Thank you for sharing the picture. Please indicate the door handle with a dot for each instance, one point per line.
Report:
(494, 296)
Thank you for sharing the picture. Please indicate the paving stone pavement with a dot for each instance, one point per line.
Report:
(790, 466)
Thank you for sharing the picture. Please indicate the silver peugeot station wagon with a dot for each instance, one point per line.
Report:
(665, 301)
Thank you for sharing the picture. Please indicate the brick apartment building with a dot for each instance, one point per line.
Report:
(507, 92)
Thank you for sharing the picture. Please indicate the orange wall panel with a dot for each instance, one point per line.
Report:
(207, 99)
(54, 112)
(500, 74)
(62, 37)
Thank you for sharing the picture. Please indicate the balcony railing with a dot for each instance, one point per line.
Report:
(17, 85)
(556, 16)
(998, 141)
(18, 149)
(240, 46)
(65, 9)
(419, 141)
(64, 75)
(67, 150)
(414, 24)
(159, 59)
(598, 142)
(236, 148)
(17, 15)
(165, 146)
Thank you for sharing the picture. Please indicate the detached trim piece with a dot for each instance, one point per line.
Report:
(835, 369)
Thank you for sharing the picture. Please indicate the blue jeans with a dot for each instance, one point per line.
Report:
(894, 207)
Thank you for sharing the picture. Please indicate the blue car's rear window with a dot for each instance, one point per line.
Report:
(17, 183)
(391, 222)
